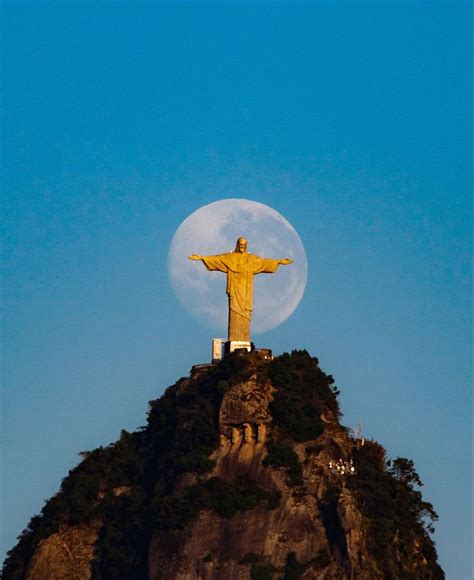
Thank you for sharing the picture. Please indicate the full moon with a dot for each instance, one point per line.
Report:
(214, 229)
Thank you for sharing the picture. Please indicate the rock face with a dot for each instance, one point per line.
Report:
(66, 555)
(316, 533)
(237, 476)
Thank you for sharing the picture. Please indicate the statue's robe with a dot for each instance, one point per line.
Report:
(240, 269)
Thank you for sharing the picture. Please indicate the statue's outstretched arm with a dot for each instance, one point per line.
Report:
(269, 265)
(211, 262)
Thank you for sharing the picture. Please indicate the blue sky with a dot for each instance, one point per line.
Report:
(350, 119)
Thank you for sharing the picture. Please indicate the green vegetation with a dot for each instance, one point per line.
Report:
(280, 455)
(386, 494)
(293, 569)
(181, 433)
(227, 499)
(262, 571)
(76, 502)
(130, 485)
(304, 391)
(251, 558)
(123, 538)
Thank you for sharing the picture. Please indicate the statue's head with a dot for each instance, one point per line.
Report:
(241, 246)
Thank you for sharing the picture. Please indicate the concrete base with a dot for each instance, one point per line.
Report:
(217, 349)
(237, 345)
(222, 347)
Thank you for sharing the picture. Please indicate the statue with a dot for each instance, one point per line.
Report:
(240, 267)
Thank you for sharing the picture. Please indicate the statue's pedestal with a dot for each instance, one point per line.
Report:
(222, 347)
(237, 345)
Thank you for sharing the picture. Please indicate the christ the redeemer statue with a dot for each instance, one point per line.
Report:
(240, 267)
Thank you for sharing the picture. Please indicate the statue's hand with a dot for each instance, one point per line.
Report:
(286, 261)
(194, 257)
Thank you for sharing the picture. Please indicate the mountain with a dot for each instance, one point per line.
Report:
(242, 471)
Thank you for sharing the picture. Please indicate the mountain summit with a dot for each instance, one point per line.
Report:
(243, 471)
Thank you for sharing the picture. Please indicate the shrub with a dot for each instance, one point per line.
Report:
(280, 455)
(226, 498)
(123, 539)
(181, 433)
(293, 569)
(394, 508)
(262, 571)
(303, 393)
(250, 558)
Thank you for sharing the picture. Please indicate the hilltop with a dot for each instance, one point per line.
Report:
(243, 470)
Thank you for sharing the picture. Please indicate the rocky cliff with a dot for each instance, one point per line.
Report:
(243, 471)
